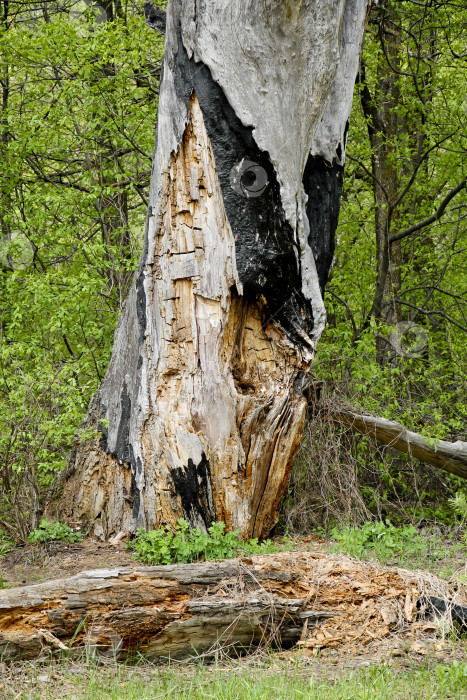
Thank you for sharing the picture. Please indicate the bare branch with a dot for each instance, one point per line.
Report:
(431, 219)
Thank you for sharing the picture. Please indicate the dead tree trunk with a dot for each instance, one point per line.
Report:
(202, 408)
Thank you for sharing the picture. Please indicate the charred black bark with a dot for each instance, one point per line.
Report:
(266, 251)
(437, 606)
(323, 185)
(193, 486)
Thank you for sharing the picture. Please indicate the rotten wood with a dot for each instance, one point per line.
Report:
(306, 598)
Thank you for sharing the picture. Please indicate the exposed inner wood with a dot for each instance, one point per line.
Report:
(222, 421)
(183, 610)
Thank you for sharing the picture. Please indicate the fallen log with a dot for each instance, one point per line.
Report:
(178, 611)
(450, 456)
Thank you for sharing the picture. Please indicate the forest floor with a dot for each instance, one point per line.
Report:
(428, 663)
(441, 554)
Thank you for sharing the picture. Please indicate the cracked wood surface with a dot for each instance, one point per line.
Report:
(165, 611)
(189, 609)
(201, 410)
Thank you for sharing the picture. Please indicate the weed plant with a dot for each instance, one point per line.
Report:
(404, 545)
(6, 545)
(382, 539)
(54, 532)
(186, 544)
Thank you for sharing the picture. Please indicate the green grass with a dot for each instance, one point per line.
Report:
(401, 546)
(88, 682)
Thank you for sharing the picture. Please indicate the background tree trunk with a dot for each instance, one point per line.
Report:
(202, 408)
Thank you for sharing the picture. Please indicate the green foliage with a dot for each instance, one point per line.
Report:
(6, 545)
(54, 532)
(403, 546)
(186, 545)
(425, 392)
(381, 539)
(77, 127)
(459, 505)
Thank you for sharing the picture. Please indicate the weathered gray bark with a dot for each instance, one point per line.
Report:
(202, 407)
(450, 456)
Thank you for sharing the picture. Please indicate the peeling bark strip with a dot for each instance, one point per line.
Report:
(183, 610)
(203, 397)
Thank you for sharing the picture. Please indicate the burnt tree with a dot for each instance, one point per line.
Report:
(202, 407)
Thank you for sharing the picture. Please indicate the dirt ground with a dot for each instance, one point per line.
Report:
(38, 563)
